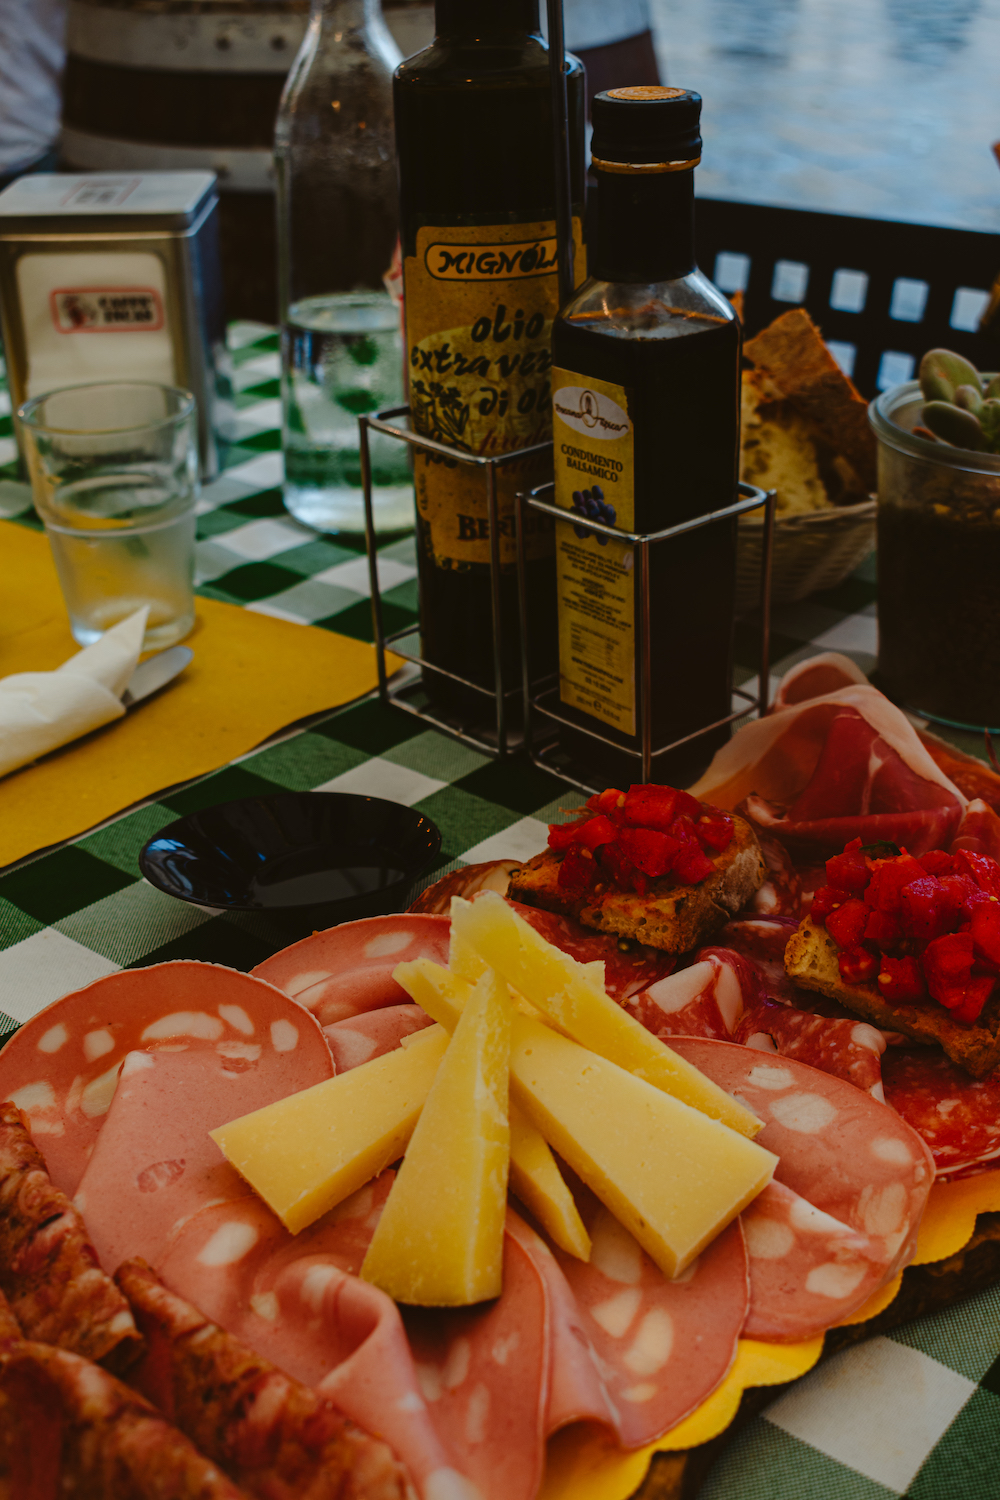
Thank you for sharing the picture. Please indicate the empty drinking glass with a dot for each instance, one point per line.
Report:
(114, 475)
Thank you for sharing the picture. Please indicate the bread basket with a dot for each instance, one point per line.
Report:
(813, 550)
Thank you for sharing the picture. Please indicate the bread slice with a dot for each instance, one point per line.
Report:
(672, 917)
(811, 961)
(793, 355)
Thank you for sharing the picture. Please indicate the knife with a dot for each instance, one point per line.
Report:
(155, 673)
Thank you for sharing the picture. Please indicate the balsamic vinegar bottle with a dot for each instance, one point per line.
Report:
(646, 388)
(474, 144)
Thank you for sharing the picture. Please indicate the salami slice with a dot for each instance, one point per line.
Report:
(762, 941)
(48, 1268)
(807, 1270)
(840, 1150)
(267, 1431)
(358, 1039)
(62, 1067)
(348, 969)
(957, 1116)
(848, 1049)
(494, 875)
(67, 1427)
(704, 999)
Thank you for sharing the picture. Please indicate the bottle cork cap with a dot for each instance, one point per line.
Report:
(647, 128)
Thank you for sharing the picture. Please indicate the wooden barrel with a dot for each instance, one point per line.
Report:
(160, 85)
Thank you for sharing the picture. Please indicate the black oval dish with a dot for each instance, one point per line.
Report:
(310, 859)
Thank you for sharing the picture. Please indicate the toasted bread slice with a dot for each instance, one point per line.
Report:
(792, 353)
(669, 916)
(811, 961)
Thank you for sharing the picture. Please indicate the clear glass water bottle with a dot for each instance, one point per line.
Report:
(341, 338)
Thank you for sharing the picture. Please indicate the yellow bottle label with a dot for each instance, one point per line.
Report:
(479, 307)
(594, 476)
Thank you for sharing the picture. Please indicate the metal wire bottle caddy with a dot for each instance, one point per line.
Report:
(536, 695)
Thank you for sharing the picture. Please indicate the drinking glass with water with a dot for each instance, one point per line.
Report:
(114, 476)
(342, 358)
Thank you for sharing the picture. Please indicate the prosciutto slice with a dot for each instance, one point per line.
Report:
(845, 763)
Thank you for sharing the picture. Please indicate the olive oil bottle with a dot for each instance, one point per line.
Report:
(474, 143)
(646, 407)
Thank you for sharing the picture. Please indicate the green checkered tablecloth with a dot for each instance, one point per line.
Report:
(914, 1414)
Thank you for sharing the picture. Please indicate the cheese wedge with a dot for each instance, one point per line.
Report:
(572, 997)
(673, 1177)
(536, 1179)
(439, 1241)
(309, 1152)
(534, 1175)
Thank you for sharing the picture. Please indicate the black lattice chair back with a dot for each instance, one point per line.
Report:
(883, 293)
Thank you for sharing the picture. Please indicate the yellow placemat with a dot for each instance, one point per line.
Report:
(251, 676)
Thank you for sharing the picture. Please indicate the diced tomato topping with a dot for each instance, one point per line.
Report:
(857, 964)
(621, 870)
(825, 901)
(985, 931)
(948, 965)
(596, 831)
(929, 908)
(606, 802)
(578, 871)
(981, 868)
(936, 862)
(888, 879)
(651, 806)
(973, 997)
(966, 893)
(849, 871)
(691, 864)
(644, 834)
(562, 835)
(715, 829)
(882, 930)
(930, 925)
(650, 851)
(846, 925)
(900, 979)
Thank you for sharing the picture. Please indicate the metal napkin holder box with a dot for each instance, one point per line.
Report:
(113, 276)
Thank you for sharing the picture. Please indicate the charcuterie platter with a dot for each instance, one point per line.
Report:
(286, 1170)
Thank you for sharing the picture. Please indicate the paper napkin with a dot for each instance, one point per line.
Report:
(41, 710)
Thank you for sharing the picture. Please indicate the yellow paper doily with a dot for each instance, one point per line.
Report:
(584, 1464)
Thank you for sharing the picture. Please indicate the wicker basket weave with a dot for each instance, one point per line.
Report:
(812, 551)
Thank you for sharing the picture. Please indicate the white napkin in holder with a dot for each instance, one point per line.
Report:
(39, 711)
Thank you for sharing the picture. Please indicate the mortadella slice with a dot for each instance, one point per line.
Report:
(62, 1067)
(348, 969)
(847, 1155)
(373, 1033)
(807, 1270)
(48, 1267)
(663, 1346)
(268, 1432)
(154, 1164)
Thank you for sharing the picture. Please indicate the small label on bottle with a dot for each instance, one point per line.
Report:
(594, 478)
(479, 307)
